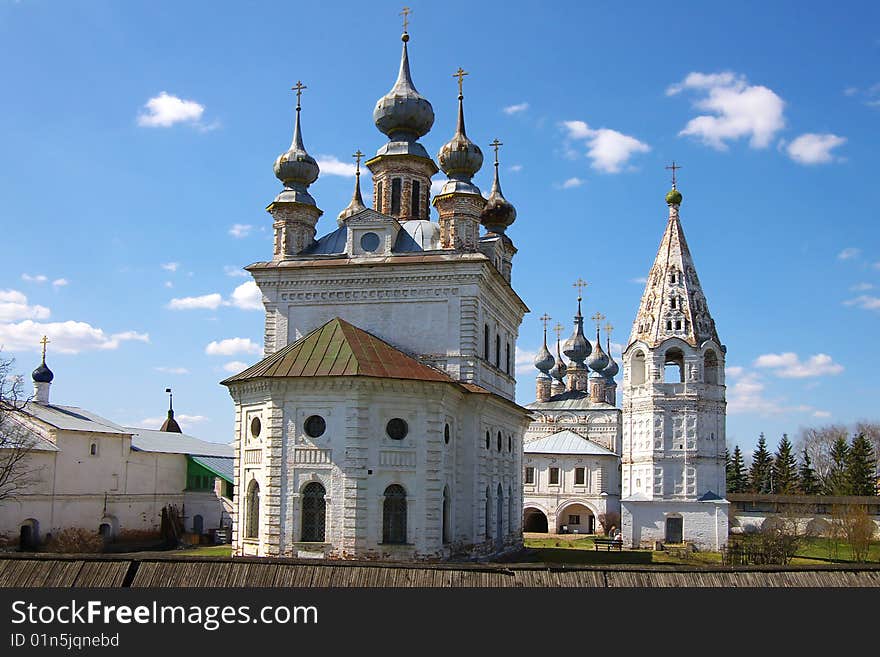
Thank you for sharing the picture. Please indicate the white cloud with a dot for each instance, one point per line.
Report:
(247, 296)
(822, 414)
(235, 366)
(60, 282)
(789, 366)
(516, 109)
(170, 266)
(182, 418)
(232, 347)
(436, 186)
(14, 306)
(331, 165)
(172, 370)
(206, 301)
(865, 302)
(861, 287)
(608, 150)
(239, 231)
(235, 271)
(525, 361)
(39, 278)
(812, 148)
(164, 110)
(748, 395)
(572, 182)
(849, 253)
(68, 337)
(516, 168)
(641, 280)
(736, 110)
(169, 284)
(734, 371)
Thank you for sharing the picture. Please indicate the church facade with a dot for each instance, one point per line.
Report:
(381, 423)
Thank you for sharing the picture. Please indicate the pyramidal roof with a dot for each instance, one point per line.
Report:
(566, 441)
(673, 304)
(340, 349)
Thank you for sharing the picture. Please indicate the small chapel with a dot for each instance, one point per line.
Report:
(381, 423)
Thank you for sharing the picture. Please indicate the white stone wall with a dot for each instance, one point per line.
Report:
(704, 524)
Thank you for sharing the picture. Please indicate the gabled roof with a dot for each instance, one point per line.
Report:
(71, 418)
(151, 440)
(340, 349)
(221, 466)
(566, 442)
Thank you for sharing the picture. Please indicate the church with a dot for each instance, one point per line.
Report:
(381, 423)
(653, 469)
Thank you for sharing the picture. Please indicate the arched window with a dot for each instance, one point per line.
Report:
(511, 514)
(93, 449)
(394, 515)
(497, 351)
(509, 443)
(447, 434)
(379, 200)
(710, 367)
(499, 517)
(507, 359)
(488, 513)
(415, 195)
(445, 528)
(314, 509)
(674, 366)
(395, 197)
(486, 342)
(252, 515)
(488, 440)
(637, 368)
(498, 441)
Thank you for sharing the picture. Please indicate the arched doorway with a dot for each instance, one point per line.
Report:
(576, 519)
(534, 521)
(198, 525)
(29, 535)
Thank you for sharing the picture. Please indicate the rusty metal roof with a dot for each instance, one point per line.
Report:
(341, 349)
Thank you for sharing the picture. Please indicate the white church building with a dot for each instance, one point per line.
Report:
(381, 422)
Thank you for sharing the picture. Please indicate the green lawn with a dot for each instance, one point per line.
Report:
(210, 551)
(828, 549)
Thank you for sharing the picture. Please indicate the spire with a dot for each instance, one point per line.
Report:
(296, 168)
(357, 202)
(559, 370)
(598, 359)
(460, 158)
(170, 425)
(544, 361)
(498, 213)
(613, 368)
(673, 303)
(577, 347)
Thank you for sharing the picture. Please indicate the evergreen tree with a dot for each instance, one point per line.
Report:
(737, 479)
(861, 466)
(808, 482)
(784, 469)
(837, 481)
(760, 470)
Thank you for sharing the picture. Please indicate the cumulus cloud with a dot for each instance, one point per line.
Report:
(736, 110)
(235, 366)
(239, 231)
(524, 361)
(862, 287)
(38, 278)
(822, 414)
(572, 183)
(813, 148)
(748, 395)
(789, 365)
(172, 370)
(206, 302)
(165, 110)
(14, 306)
(849, 253)
(247, 296)
(864, 301)
(170, 266)
(609, 150)
(331, 165)
(233, 347)
(516, 109)
(68, 337)
(60, 282)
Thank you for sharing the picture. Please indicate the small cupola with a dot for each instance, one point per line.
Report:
(170, 424)
(42, 377)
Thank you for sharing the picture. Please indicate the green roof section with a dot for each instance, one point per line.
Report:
(340, 349)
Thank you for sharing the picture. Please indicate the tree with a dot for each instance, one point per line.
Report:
(836, 482)
(861, 466)
(818, 441)
(871, 430)
(737, 479)
(784, 469)
(808, 482)
(15, 444)
(760, 470)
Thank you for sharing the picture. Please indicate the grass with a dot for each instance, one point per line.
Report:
(828, 549)
(210, 551)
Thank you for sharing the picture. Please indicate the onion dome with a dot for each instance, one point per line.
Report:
(421, 233)
(460, 158)
(403, 114)
(577, 347)
(498, 213)
(357, 201)
(673, 197)
(42, 374)
(560, 369)
(296, 168)
(612, 369)
(544, 361)
(598, 360)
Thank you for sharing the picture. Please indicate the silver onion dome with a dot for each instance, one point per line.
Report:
(612, 369)
(498, 213)
(577, 347)
(403, 114)
(598, 360)
(460, 158)
(544, 361)
(295, 167)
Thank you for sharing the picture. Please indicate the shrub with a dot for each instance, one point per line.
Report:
(75, 540)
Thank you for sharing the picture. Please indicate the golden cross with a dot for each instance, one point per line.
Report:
(558, 329)
(405, 13)
(357, 156)
(674, 167)
(44, 342)
(545, 318)
(597, 317)
(580, 284)
(460, 73)
(495, 144)
(298, 87)
(608, 329)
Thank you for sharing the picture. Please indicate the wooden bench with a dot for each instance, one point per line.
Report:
(608, 543)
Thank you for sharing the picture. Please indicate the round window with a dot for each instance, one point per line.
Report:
(396, 429)
(446, 434)
(369, 242)
(315, 426)
(256, 427)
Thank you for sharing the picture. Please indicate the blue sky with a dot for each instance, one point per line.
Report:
(138, 142)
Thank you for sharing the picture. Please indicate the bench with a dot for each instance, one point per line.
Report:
(608, 543)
